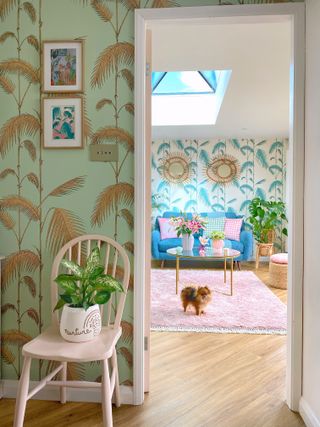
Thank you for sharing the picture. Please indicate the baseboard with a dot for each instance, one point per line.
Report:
(307, 414)
(9, 390)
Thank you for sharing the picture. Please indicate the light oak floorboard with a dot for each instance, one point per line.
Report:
(197, 380)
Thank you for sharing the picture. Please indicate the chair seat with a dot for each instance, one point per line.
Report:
(51, 346)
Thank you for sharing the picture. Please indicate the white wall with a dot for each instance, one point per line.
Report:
(310, 403)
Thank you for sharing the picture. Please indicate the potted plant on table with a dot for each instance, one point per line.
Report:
(187, 227)
(265, 217)
(83, 291)
(217, 240)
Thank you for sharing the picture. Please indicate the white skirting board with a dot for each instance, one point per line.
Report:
(9, 390)
(307, 414)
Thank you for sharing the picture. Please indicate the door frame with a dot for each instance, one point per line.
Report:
(295, 12)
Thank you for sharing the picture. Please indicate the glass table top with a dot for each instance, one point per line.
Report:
(206, 252)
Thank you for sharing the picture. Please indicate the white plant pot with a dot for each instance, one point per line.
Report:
(79, 325)
(187, 242)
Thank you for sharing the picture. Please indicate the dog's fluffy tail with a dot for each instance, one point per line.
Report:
(189, 293)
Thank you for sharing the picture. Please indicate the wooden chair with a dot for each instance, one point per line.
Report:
(49, 345)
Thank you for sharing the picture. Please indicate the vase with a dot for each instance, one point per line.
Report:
(218, 245)
(187, 242)
(78, 324)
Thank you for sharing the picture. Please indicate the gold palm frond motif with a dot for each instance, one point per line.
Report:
(114, 195)
(116, 54)
(127, 355)
(128, 217)
(129, 246)
(30, 11)
(6, 35)
(7, 172)
(164, 3)
(110, 133)
(15, 127)
(7, 84)
(32, 177)
(131, 4)
(7, 356)
(15, 337)
(127, 382)
(30, 147)
(128, 77)
(22, 67)
(30, 283)
(223, 169)
(33, 41)
(7, 307)
(129, 107)
(16, 202)
(75, 371)
(33, 314)
(102, 10)
(5, 7)
(24, 260)
(64, 226)
(102, 103)
(68, 187)
(7, 220)
(127, 331)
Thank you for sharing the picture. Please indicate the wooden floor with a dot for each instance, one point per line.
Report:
(197, 380)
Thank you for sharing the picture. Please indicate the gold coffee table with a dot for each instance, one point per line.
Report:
(207, 254)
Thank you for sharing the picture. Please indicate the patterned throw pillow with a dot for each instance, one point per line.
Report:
(167, 231)
(214, 224)
(232, 228)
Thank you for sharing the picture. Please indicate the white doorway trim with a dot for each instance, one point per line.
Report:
(295, 12)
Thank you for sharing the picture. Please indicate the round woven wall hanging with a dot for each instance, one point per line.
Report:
(175, 168)
(223, 169)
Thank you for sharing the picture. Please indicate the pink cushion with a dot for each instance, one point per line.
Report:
(232, 227)
(167, 230)
(279, 258)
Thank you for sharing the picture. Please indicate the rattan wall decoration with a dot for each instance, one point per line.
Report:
(175, 168)
(223, 169)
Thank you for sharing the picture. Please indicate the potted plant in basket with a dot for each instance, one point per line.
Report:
(265, 217)
(217, 240)
(83, 290)
(187, 227)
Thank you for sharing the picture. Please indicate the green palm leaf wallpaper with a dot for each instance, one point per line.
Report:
(262, 174)
(49, 196)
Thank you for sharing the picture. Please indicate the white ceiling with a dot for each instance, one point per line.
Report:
(256, 103)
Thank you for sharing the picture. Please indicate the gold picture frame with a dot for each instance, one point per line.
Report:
(62, 121)
(62, 66)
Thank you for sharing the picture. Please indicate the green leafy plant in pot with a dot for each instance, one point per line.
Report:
(217, 239)
(265, 217)
(83, 291)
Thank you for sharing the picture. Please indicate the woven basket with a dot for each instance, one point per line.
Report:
(265, 249)
(278, 275)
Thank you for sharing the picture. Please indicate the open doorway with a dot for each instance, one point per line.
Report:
(234, 142)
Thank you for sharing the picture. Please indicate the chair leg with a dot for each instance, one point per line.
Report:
(162, 263)
(239, 265)
(63, 389)
(22, 394)
(114, 363)
(106, 396)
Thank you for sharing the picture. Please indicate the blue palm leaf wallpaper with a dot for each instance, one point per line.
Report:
(262, 174)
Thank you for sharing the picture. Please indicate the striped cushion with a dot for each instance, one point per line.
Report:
(214, 224)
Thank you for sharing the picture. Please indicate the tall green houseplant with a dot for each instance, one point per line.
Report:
(264, 217)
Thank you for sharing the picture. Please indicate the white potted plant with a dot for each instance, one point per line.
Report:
(217, 240)
(83, 290)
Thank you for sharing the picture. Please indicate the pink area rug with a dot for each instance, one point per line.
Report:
(253, 308)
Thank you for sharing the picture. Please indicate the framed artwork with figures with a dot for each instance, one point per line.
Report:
(62, 66)
(62, 122)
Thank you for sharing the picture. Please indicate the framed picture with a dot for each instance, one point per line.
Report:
(62, 66)
(62, 122)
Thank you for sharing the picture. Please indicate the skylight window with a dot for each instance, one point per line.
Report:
(187, 97)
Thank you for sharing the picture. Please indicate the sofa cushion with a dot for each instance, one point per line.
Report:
(167, 230)
(232, 227)
(234, 244)
(166, 244)
(214, 224)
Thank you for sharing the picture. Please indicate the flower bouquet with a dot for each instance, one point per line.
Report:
(187, 227)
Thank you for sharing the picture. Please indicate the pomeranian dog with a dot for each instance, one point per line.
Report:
(198, 296)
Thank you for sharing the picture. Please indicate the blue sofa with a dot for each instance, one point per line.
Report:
(159, 247)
